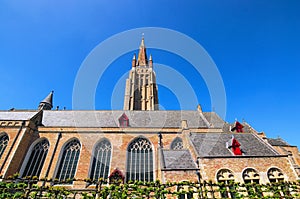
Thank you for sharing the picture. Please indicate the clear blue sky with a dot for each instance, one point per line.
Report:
(255, 45)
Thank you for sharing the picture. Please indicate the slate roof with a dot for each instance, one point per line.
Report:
(153, 119)
(246, 129)
(214, 144)
(214, 119)
(178, 159)
(277, 142)
(17, 115)
(91, 118)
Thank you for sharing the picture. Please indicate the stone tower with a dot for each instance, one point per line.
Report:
(141, 88)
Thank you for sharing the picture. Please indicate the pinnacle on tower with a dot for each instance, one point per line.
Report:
(134, 60)
(46, 104)
(150, 61)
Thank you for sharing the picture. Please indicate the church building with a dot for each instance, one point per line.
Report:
(139, 142)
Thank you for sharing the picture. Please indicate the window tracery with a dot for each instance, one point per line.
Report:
(226, 177)
(139, 160)
(251, 176)
(275, 175)
(101, 160)
(36, 159)
(69, 160)
(3, 143)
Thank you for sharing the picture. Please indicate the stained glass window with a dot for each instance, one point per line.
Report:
(139, 160)
(101, 160)
(36, 159)
(69, 160)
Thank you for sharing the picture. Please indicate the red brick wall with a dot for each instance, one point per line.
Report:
(119, 141)
(209, 167)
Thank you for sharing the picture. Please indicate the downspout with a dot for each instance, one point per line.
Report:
(162, 157)
(12, 146)
(52, 157)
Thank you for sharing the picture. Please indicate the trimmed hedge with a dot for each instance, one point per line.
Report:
(32, 187)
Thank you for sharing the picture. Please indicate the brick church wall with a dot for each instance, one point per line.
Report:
(18, 151)
(179, 176)
(119, 141)
(210, 167)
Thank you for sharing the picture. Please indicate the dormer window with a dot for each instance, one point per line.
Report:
(124, 121)
(234, 146)
(238, 127)
(177, 144)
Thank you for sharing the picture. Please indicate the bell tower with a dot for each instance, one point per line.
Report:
(141, 88)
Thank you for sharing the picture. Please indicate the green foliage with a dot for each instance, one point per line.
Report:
(29, 187)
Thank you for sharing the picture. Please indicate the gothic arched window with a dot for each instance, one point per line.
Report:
(226, 177)
(3, 143)
(101, 160)
(275, 175)
(36, 159)
(69, 160)
(251, 176)
(177, 144)
(139, 160)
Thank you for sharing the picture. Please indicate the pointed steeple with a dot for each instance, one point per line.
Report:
(46, 104)
(142, 57)
(141, 89)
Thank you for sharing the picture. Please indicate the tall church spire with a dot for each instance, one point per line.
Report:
(46, 104)
(142, 57)
(141, 88)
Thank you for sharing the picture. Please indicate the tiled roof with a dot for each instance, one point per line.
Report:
(178, 159)
(214, 144)
(17, 115)
(277, 142)
(153, 119)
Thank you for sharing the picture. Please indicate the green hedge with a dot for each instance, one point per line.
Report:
(32, 187)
